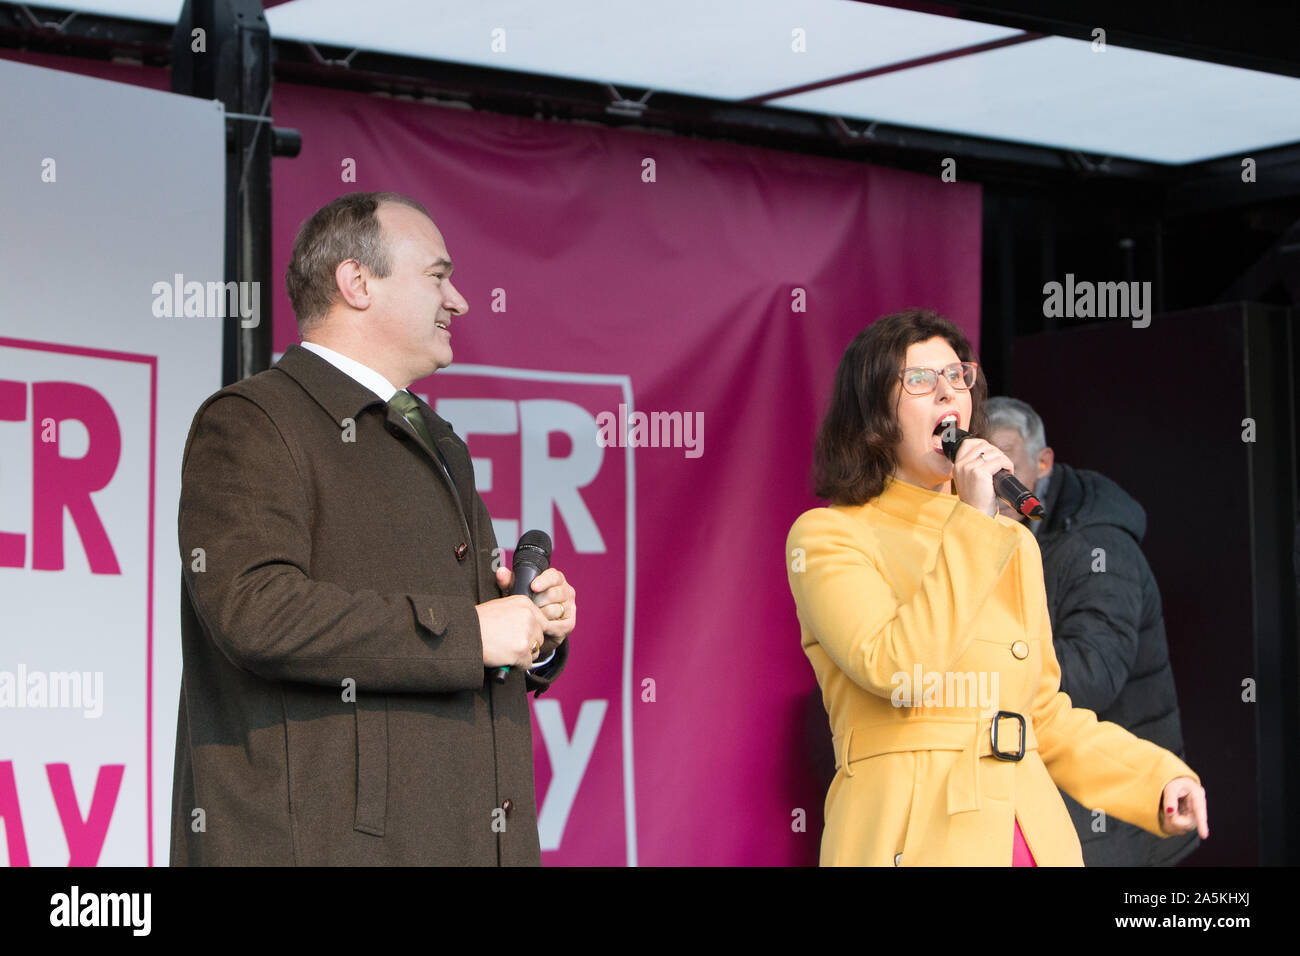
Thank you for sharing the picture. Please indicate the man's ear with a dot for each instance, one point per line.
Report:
(1046, 459)
(351, 278)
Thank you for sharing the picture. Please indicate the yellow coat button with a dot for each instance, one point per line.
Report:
(1020, 649)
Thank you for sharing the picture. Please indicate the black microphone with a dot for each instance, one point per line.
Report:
(1008, 487)
(532, 556)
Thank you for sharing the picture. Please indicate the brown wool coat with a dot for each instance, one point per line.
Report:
(327, 561)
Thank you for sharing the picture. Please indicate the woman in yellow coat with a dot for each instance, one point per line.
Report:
(924, 615)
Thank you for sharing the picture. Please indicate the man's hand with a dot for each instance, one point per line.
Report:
(554, 596)
(1182, 808)
(512, 630)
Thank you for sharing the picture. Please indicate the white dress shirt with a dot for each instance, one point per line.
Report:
(362, 373)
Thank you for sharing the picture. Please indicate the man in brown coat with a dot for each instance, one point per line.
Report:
(341, 619)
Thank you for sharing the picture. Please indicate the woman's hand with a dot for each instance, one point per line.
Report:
(972, 475)
(1182, 808)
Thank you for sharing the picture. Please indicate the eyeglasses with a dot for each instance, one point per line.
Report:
(923, 381)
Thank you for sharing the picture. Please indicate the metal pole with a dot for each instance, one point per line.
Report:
(222, 51)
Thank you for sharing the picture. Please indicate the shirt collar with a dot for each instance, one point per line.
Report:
(354, 369)
(338, 393)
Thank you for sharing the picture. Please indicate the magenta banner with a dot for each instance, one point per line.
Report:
(653, 327)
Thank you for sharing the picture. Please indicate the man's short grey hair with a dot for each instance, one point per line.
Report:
(1004, 412)
(345, 229)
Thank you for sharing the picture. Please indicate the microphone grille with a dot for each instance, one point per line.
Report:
(535, 548)
(952, 439)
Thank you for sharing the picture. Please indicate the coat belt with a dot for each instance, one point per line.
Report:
(972, 737)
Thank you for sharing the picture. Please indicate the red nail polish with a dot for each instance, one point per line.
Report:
(1169, 809)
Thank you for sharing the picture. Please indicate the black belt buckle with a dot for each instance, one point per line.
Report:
(993, 732)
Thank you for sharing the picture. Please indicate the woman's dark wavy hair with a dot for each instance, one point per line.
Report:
(857, 443)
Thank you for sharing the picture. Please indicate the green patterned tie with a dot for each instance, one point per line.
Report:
(404, 404)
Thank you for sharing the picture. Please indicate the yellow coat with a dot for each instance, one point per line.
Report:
(910, 606)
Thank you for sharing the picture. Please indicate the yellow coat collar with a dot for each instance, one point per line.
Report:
(916, 504)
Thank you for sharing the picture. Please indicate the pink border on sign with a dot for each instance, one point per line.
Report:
(152, 362)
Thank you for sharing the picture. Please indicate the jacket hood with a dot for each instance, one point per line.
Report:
(1078, 498)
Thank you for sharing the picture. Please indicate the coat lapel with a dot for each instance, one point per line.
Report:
(343, 397)
(449, 458)
(441, 458)
(454, 454)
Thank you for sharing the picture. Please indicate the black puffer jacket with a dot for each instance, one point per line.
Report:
(1109, 635)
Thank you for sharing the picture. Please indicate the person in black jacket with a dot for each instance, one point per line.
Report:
(1107, 625)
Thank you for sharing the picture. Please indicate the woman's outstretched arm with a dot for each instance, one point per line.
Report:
(1098, 763)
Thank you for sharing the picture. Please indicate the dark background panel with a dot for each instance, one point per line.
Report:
(1159, 410)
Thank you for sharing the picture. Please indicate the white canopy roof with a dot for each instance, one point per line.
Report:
(809, 55)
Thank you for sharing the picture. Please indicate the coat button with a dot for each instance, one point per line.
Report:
(462, 549)
(898, 859)
(507, 805)
(1020, 650)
